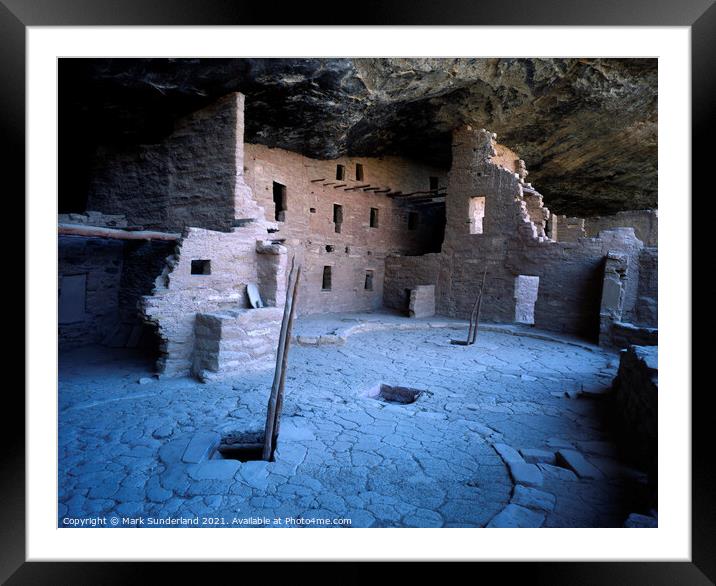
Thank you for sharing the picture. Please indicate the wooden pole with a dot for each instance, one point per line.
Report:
(469, 328)
(114, 233)
(479, 306)
(284, 366)
(273, 397)
(472, 320)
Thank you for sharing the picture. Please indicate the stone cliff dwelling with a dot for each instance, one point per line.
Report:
(388, 420)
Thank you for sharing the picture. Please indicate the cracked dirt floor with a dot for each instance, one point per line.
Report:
(343, 455)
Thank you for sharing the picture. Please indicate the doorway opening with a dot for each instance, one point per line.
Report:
(526, 290)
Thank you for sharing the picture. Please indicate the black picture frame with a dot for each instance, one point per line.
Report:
(16, 15)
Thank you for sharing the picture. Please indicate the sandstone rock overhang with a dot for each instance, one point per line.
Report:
(587, 128)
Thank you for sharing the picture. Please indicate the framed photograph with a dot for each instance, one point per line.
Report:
(398, 276)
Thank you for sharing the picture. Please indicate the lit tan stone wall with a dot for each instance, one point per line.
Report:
(512, 244)
(309, 231)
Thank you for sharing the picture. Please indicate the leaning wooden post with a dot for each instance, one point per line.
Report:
(273, 397)
(284, 365)
(479, 306)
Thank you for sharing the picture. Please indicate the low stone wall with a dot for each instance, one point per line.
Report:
(645, 311)
(422, 301)
(208, 274)
(636, 397)
(94, 219)
(405, 273)
(566, 229)
(235, 341)
(89, 272)
(644, 222)
(626, 334)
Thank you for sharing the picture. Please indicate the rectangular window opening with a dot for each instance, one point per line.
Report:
(477, 214)
(434, 183)
(201, 267)
(359, 172)
(73, 298)
(279, 201)
(413, 218)
(368, 281)
(373, 217)
(337, 216)
(526, 290)
(340, 172)
(326, 286)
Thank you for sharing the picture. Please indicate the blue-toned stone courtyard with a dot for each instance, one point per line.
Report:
(511, 431)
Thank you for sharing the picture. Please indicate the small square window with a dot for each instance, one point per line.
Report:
(201, 267)
(373, 217)
(359, 172)
(340, 172)
(327, 277)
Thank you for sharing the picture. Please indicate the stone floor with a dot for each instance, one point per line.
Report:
(508, 432)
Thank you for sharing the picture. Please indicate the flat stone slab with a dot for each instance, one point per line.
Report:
(508, 453)
(255, 473)
(292, 430)
(515, 516)
(558, 442)
(532, 498)
(533, 456)
(557, 472)
(575, 461)
(214, 470)
(200, 447)
(527, 474)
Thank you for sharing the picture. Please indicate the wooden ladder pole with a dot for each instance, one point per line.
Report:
(479, 306)
(273, 397)
(284, 365)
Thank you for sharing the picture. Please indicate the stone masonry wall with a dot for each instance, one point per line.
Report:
(422, 301)
(188, 179)
(235, 340)
(511, 244)
(97, 315)
(566, 229)
(357, 254)
(644, 222)
(645, 309)
(180, 295)
(629, 292)
(404, 273)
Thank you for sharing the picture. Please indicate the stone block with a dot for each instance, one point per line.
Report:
(532, 498)
(515, 516)
(200, 447)
(578, 463)
(214, 470)
(524, 473)
(533, 456)
(508, 453)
